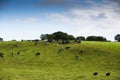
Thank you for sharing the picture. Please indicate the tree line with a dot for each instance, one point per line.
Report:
(62, 36)
(57, 36)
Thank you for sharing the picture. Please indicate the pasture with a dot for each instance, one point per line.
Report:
(76, 61)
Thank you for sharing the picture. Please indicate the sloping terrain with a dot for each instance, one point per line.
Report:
(74, 61)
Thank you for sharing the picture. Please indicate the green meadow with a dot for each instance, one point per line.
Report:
(100, 57)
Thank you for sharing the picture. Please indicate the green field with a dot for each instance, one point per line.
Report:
(101, 57)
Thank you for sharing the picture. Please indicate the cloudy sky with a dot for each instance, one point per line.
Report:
(28, 19)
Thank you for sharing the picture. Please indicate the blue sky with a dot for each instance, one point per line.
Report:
(28, 19)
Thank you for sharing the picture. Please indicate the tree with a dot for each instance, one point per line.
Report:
(43, 36)
(100, 38)
(82, 38)
(49, 37)
(117, 37)
(1, 39)
(91, 38)
(96, 38)
(71, 37)
(60, 36)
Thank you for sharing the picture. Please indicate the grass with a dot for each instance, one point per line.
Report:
(101, 57)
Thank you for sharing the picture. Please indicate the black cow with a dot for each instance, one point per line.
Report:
(36, 40)
(18, 53)
(35, 43)
(37, 54)
(108, 74)
(76, 57)
(67, 47)
(15, 45)
(1, 54)
(12, 54)
(95, 73)
(81, 52)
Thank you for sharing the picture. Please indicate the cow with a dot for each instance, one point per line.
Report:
(108, 74)
(12, 54)
(67, 47)
(81, 52)
(18, 53)
(95, 73)
(35, 43)
(1, 54)
(15, 45)
(37, 54)
(61, 49)
(76, 57)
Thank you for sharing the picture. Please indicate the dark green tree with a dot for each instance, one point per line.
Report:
(71, 37)
(117, 37)
(91, 38)
(1, 39)
(60, 36)
(100, 38)
(49, 37)
(96, 38)
(43, 36)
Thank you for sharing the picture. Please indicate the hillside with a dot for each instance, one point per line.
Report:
(79, 62)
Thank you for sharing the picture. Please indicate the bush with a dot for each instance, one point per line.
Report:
(117, 37)
(95, 38)
(1, 39)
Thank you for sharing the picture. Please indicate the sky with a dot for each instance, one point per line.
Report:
(28, 19)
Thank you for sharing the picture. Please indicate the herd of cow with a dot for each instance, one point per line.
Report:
(12, 54)
(38, 53)
(59, 51)
(96, 73)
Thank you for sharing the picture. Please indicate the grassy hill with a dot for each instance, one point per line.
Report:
(101, 57)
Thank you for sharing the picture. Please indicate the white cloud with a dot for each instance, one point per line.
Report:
(26, 20)
(96, 21)
(99, 19)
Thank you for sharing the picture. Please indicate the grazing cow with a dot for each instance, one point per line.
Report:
(35, 43)
(76, 57)
(12, 54)
(18, 53)
(37, 54)
(81, 52)
(1, 54)
(107, 74)
(67, 47)
(36, 40)
(15, 45)
(61, 49)
(95, 73)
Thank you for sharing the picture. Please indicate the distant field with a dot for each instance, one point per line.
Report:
(68, 64)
